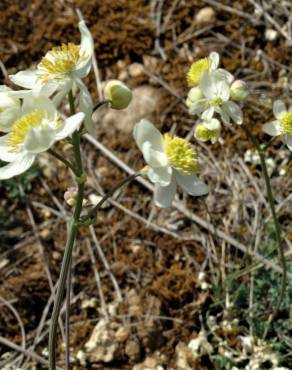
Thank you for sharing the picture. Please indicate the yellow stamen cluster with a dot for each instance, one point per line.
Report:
(197, 69)
(60, 61)
(204, 134)
(216, 102)
(286, 123)
(180, 154)
(21, 128)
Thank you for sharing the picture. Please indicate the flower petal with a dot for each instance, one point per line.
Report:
(279, 108)
(191, 184)
(26, 79)
(70, 125)
(86, 106)
(39, 139)
(214, 58)
(272, 128)
(146, 131)
(20, 165)
(214, 86)
(86, 49)
(234, 111)
(287, 139)
(41, 103)
(160, 175)
(208, 114)
(164, 195)
(155, 158)
(5, 150)
(198, 107)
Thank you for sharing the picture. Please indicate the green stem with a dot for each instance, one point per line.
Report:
(72, 232)
(275, 218)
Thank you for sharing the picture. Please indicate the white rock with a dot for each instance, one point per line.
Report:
(205, 15)
(144, 103)
(271, 34)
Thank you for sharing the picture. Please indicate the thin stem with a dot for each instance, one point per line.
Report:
(275, 218)
(92, 213)
(100, 104)
(67, 318)
(62, 159)
(72, 232)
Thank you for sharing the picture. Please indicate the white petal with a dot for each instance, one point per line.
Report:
(214, 85)
(234, 111)
(86, 106)
(213, 124)
(214, 58)
(86, 48)
(208, 114)
(160, 175)
(223, 113)
(5, 154)
(26, 79)
(41, 103)
(279, 108)
(164, 195)
(155, 158)
(70, 125)
(191, 184)
(198, 107)
(146, 131)
(8, 117)
(225, 75)
(287, 139)
(17, 167)
(39, 139)
(272, 128)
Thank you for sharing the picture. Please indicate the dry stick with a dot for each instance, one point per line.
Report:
(15, 313)
(106, 264)
(35, 356)
(97, 279)
(198, 220)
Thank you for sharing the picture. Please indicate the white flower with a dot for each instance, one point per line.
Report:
(57, 71)
(208, 130)
(194, 95)
(205, 65)
(118, 94)
(282, 126)
(9, 108)
(216, 90)
(172, 161)
(35, 131)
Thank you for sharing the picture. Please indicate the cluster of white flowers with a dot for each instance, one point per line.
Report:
(214, 91)
(29, 117)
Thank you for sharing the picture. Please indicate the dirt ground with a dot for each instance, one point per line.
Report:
(147, 260)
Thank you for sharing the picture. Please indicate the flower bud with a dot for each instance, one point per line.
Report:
(238, 90)
(118, 94)
(208, 131)
(9, 108)
(70, 196)
(194, 95)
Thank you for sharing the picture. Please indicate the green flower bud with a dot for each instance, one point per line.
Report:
(118, 94)
(238, 90)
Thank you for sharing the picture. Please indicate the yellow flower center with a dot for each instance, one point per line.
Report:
(60, 61)
(21, 127)
(2, 110)
(286, 123)
(204, 134)
(197, 69)
(180, 154)
(216, 102)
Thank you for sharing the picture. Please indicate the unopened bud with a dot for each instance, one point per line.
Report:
(118, 94)
(70, 196)
(208, 131)
(239, 90)
(194, 95)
